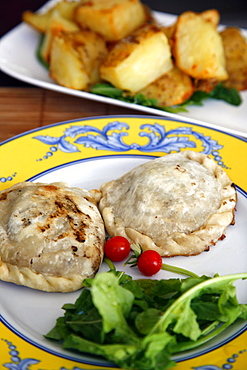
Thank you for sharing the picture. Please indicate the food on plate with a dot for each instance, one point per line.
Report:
(51, 236)
(207, 85)
(56, 24)
(178, 204)
(112, 19)
(133, 63)
(117, 248)
(143, 323)
(172, 88)
(149, 262)
(40, 20)
(212, 16)
(75, 58)
(235, 47)
(169, 63)
(197, 47)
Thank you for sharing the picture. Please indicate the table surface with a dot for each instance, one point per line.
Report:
(24, 109)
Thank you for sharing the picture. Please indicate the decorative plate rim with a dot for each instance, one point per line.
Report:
(65, 164)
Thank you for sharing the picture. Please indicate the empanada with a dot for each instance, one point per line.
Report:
(51, 236)
(178, 204)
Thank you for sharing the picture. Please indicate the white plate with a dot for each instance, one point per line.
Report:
(30, 314)
(18, 59)
(21, 306)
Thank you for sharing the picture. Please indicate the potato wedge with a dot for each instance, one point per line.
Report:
(40, 21)
(56, 24)
(67, 9)
(173, 88)
(198, 48)
(75, 58)
(113, 19)
(138, 60)
(212, 16)
(206, 85)
(235, 47)
(169, 31)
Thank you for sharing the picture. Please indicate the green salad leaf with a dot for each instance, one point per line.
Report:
(220, 92)
(39, 56)
(140, 324)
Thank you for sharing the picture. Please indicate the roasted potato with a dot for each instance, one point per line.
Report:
(55, 25)
(235, 47)
(212, 16)
(67, 9)
(169, 31)
(173, 88)
(75, 58)
(206, 85)
(120, 42)
(198, 48)
(112, 19)
(137, 60)
(40, 21)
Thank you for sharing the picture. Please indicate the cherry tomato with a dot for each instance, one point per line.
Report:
(117, 248)
(149, 262)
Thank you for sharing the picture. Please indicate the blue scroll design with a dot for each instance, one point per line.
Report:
(112, 138)
(16, 363)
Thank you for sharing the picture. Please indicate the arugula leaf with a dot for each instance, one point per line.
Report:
(111, 91)
(106, 89)
(39, 54)
(141, 323)
(87, 321)
(220, 92)
(114, 304)
(243, 314)
(231, 96)
(146, 320)
(113, 352)
(227, 304)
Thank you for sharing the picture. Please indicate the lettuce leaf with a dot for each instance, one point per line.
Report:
(220, 92)
(139, 324)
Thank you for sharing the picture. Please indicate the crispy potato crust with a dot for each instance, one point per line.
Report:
(235, 48)
(112, 19)
(136, 55)
(172, 88)
(198, 48)
(76, 57)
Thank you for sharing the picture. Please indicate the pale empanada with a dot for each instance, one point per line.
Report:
(51, 236)
(178, 204)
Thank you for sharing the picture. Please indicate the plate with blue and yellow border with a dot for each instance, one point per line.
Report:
(86, 153)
